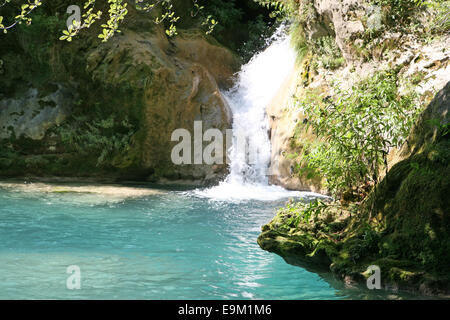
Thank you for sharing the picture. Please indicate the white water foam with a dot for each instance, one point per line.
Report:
(257, 84)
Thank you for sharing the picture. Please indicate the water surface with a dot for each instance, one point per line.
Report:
(168, 245)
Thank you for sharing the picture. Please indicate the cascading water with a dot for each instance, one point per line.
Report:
(257, 83)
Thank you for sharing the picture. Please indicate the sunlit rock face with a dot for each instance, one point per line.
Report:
(348, 23)
(284, 117)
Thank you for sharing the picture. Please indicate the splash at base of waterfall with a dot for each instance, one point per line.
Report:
(227, 191)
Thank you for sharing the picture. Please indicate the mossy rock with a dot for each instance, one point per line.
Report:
(403, 226)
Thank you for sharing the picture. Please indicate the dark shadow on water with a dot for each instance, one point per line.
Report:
(357, 291)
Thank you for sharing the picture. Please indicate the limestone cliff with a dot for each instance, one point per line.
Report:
(348, 41)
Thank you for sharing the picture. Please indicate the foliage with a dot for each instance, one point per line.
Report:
(313, 209)
(358, 129)
(365, 243)
(168, 14)
(441, 22)
(104, 138)
(443, 129)
(302, 14)
(24, 16)
(259, 31)
(116, 12)
(278, 8)
(400, 10)
(37, 38)
(296, 213)
(327, 53)
(242, 26)
(298, 40)
(225, 12)
(299, 13)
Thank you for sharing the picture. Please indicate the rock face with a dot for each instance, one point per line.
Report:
(30, 115)
(176, 89)
(284, 119)
(118, 102)
(343, 17)
(350, 23)
(403, 226)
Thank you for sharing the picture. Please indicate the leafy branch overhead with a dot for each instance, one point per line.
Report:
(25, 10)
(117, 11)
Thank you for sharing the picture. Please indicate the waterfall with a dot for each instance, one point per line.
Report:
(257, 84)
(249, 158)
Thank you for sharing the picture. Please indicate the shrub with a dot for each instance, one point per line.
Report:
(103, 138)
(357, 128)
(327, 52)
(400, 11)
(298, 40)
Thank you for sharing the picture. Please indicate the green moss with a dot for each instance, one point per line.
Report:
(403, 227)
(415, 208)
